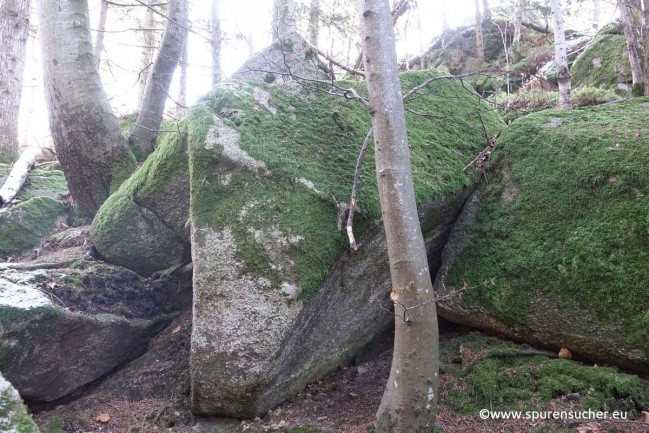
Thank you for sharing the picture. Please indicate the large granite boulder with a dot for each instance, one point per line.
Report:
(142, 225)
(278, 301)
(556, 245)
(604, 63)
(46, 350)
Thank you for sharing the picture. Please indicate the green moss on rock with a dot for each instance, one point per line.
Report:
(565, 223)
(23, 226)
(14, 417)
(604, 63)
(308, 145)
(503, 379)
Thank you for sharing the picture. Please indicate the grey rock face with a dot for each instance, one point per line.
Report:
(248, 359)
(48, 352)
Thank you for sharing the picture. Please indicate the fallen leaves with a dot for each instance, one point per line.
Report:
(176, 329)
(103, 418)
(645, 414)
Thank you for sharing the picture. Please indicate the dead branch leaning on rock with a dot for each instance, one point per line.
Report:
(17, 176)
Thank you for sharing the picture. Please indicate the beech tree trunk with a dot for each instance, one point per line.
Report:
(93, 154)
(479, 42)
(627, 12)
(101, 27)
(486, 12)
(284, 18)
(409, 399)
(145, 132)
(14, 29)
(215, 28)
(148, 40)
(561, 56)
(314, 22)
(181, 106)
(518, 20)
(597, 7)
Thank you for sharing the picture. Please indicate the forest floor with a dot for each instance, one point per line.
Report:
(152, 392)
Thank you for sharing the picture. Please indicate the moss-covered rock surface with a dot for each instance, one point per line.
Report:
(13, 413)
(270, 180)
(24, 225)
(604, 63)
(557, 242)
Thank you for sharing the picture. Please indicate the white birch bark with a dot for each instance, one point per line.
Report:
(101, 30)
(217, 38)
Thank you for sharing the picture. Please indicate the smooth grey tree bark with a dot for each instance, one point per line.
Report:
(14, 29)
(479, 40)
(284, 19)
(597, 8)
(181, 102)
(518, 20)
(561, 56)
(629, 8)
(101, 30)
(148, 40)
(314, 22)
(409, 399)
(145, 132)
(217, 39)
(93, 154)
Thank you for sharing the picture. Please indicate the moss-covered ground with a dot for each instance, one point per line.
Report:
(317, 138)
(496, 374)
(570, 221)
(609, 52)
(24, 225)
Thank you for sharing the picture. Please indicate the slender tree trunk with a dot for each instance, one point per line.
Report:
(645, 36)
(627, 13)
(486, 11)
(479, 42)
(181, 109)
(14, 29)
(148, 40)
(445, 26)
(215, 28)
(145, 132)
(561, 56)
(101, 27)
(284, 18)
(409, 399)
(314, 22)
(89, 144)
(518, 20)
(597, 7)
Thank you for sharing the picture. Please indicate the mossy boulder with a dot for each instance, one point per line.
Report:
(604, 63)
(48, 351)
(278, 299)
(556, 245)
(141, 225)
(23, 226)
(13, 413)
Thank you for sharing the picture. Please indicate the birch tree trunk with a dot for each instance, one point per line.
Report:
(14, 29)
(561, 56)
(486, 11)
(314, 22)
(284, 18)
(445, 26)
(148, 40)
(479, 42)
(93, 154)
(145, 132)
(217, 38)
(101, 28)
(627, 15)
(410, 396)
